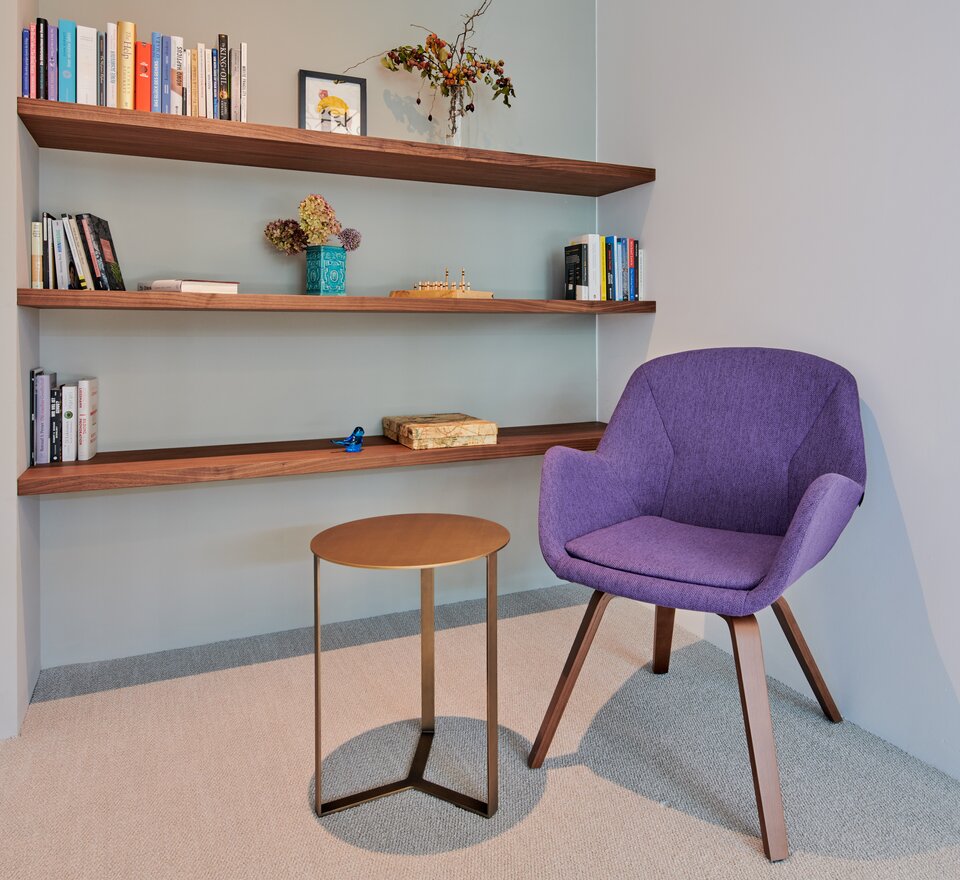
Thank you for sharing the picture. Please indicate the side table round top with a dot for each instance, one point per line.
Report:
(410, 540)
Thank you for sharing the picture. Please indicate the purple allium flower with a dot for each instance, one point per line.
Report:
(350, 239)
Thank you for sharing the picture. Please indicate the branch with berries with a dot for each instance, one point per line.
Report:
(452, 68)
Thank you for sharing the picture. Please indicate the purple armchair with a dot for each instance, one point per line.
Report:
(722, 477)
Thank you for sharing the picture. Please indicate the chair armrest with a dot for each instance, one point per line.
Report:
(579, 492)
(823, 513)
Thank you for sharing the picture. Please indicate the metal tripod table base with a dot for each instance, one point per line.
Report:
(414, 781)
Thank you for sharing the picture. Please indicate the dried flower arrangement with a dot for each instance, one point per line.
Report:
(318, 223)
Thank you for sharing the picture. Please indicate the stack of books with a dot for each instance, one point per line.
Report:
(73, 253)
(112, 68)
(63, 419)
(603, 267)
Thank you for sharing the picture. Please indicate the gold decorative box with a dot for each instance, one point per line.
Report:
(439, 430)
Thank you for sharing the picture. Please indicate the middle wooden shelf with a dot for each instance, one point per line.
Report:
(128, 300)
(242, 461)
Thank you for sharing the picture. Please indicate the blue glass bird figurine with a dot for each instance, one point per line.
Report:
(353, 443)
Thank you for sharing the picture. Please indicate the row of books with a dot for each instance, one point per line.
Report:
(63, 418)
(603, 267)
(73, 253)
(111, 68)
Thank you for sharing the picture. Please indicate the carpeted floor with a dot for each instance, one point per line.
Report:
(198, 763)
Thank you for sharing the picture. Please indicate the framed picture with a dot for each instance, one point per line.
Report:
(333, 102)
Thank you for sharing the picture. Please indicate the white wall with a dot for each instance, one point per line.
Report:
(808, 197)
(136, 571)
(19, 575)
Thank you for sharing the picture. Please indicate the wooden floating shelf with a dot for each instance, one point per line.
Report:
(274, 302)
(205, 464)
(161, 136)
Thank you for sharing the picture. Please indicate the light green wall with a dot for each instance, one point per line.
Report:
(137, 571)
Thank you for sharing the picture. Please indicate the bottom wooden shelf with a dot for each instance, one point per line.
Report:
(205, 464)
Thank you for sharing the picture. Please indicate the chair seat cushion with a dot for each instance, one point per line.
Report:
(661, 548)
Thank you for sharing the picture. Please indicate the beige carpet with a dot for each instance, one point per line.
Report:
(210, 775)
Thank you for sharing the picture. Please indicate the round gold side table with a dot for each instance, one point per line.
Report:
(426, 541)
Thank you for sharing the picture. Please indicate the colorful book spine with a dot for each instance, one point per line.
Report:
(60, 256)
(92, 252)
(165, 62)
(235, 100)
(201, 80)
(36, 255)
(42, 426)
(102, 68)
(33, 59)
(67, 62)
(214, 79)
(194, 81)
(53, 62)
(223, 76)
(25, 64)
(86, 65)
(156, 73)
(243, 82)
(126, 64)
(176, 76)
(42, 51)
(112, 67)
(87, 412)
(641, 273)
(68, 432)
(56, 424)
(142, 96)
(624, 269)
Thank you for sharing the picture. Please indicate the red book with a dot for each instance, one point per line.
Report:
(631, 270)
(141, 77)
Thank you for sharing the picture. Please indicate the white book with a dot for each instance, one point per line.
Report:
(201, 80)
(594, 282)
(191, 285)
(73, 254)
(187, 74)
(79, 254)
(68, 433)
(111, 64)
(641, 274)
(60, 256)
(86, 65)
(211, 82)
(243, 82)
(235, 99)
(87, 413)
(176, 76)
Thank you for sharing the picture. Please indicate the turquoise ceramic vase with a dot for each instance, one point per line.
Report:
(326, 270)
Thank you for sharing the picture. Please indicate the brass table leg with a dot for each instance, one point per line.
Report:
(414, 778)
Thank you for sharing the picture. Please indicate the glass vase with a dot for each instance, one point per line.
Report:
(326, 270)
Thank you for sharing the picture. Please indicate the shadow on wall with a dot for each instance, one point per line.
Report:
(406, 111)
(864, 614)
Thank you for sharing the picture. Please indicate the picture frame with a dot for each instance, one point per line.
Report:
(333, 102)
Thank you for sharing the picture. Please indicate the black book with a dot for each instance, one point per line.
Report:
(223, 75)
(101, 68)
(56, 423)
(98, 241)
(574, 261)
(47, 250)
(41, 58)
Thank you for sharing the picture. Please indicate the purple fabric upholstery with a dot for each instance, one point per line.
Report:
(662, 548)
(760, 442)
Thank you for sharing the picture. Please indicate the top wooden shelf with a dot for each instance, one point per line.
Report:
(136, 133)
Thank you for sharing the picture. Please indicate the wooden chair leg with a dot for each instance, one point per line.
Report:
(568, 678)
(809, 666)
(662, 638)
(748, 653)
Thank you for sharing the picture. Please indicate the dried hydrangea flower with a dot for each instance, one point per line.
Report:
(286, 236)
(318, 219)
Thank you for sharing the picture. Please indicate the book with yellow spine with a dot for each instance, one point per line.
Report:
(126, 37)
